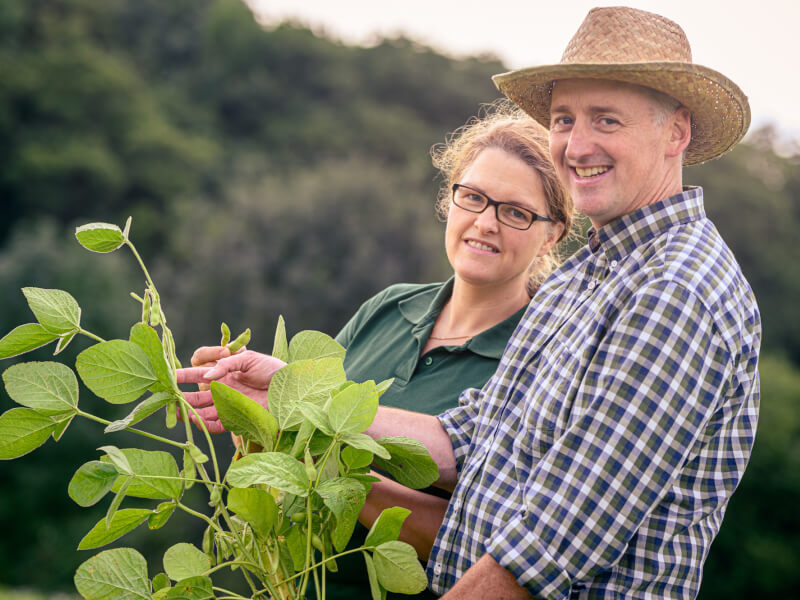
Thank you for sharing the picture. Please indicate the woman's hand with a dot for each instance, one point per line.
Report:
(248, 372)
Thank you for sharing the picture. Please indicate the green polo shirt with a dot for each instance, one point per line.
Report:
(384, 340)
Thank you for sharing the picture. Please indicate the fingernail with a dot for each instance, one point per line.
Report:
(213, 373)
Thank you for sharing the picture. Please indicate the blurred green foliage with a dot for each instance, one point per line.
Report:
(276, 172)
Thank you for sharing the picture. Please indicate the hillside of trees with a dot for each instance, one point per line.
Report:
(275, 172)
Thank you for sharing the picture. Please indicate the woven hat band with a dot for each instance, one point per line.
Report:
(624, 35)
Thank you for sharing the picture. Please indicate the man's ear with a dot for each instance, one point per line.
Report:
(680, 131)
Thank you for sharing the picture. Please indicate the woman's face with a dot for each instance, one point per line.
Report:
(485, 252)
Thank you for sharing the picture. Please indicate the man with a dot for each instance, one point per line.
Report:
(600, 458)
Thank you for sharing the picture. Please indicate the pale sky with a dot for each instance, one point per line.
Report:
(756, 43)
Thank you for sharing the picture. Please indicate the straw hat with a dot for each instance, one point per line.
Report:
(634, 46)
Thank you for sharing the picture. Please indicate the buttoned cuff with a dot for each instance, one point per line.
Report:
(518, 550)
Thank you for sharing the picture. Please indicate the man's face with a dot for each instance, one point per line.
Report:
(607, 147)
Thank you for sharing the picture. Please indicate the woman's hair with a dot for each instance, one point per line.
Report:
(503, 126)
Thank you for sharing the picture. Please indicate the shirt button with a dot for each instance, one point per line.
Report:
(591, 285)
(437, 568)
(429, 361)
(614, 263)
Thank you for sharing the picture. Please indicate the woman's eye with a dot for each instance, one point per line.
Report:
(474, 198)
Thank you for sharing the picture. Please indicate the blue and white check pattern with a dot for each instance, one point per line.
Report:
(599, 459)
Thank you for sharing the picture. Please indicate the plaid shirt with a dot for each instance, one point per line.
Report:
(599, 459)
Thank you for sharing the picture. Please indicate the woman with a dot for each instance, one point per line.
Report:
(505, 211)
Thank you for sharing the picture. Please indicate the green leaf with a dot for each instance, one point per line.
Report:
(147, 339)
(243, 416)
(160, 581)
(280, 348)
(100, 237)
(374, 586)
(47, 387)
(23, 430)
(353, 409)
(183, 560)
(296, 543)
(91, 482)
(122, 522)
(384, 385)
(411, 464)
(270, 468)
(316, 416)
(63, 423)
(63, 342)
(161, 515)
(118, 371)
(118, 574)
(255, 506)
(398, 568)
(155, 474)
(308, 381)
(56, 310)
(192, 588)
(355, 458)
(314, 345)
(364, 442)
(143, 410)
(345, 498)
(25, 338)
(121, 492)
(387, 526)
(118, 459)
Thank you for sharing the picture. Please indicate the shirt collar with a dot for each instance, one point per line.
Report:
(621, 236)
(422, 308)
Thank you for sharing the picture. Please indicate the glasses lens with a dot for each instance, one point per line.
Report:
(513, 216)
(469, 199)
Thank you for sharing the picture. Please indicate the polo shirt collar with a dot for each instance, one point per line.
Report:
(621, 236)
(422, 308)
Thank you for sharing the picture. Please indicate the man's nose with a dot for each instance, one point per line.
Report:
(580, 142)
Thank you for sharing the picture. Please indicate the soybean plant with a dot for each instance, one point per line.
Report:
(279, 516)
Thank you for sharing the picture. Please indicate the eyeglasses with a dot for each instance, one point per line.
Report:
(508, 214)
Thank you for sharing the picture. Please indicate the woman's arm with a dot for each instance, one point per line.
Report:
(421, 526)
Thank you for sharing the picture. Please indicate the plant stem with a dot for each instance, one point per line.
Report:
(146, 434)
(322, 562)
(199, 515)
(89, 334)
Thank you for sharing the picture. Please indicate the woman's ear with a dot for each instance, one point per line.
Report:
(553, 234)
(680, 131)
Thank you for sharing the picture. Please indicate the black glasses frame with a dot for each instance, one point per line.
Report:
(489, 202)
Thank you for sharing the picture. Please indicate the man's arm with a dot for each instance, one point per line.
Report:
(423, 428)
(487, 579)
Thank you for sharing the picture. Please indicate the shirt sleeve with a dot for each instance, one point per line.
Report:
(356, 322)
(641, 412)
(459, 423)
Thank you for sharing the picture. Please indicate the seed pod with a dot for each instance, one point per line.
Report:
(226, 334)
(241, 341)
(299, 517)
(308, 463)
(146, 307)
(317, 543)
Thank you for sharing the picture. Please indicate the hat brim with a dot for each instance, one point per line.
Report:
(720, 110)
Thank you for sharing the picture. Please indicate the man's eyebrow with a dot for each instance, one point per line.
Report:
(563, 108)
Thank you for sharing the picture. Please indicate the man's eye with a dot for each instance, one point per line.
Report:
(608, 121)
(561, 121)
